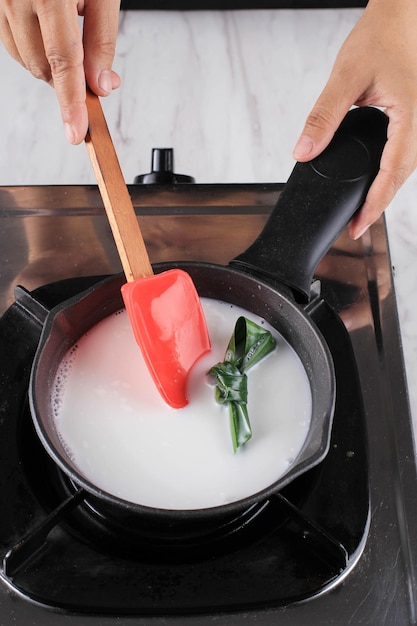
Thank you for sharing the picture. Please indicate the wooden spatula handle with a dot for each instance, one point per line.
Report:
(115, 195)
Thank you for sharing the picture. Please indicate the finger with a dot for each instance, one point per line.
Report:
(397, 162)
(101, 20)
(64, 51)
(320, 126)
(379, 196)
(8, 40)
(329, 110)
(22, 39)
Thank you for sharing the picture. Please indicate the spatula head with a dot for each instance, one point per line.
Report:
(170, 328)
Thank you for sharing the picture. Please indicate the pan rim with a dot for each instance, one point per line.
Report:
(63, 460)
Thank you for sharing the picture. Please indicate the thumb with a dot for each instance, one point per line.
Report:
(319, 128)
(99, 39)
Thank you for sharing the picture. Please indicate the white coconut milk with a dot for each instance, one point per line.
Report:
(126, 440)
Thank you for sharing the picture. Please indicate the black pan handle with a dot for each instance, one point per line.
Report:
(317, 202)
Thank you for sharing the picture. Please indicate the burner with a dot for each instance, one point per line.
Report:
(289, 547)
(112, 528)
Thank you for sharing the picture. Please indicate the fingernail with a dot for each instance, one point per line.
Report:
(105, 81)
(69, 133)
(303, 147)
(361, 232)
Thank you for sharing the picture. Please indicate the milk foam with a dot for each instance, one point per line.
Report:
(126, 440)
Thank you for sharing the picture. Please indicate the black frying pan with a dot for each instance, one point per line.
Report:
(271, 278)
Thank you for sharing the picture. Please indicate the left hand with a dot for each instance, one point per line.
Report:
(377, 65)
(44, 36)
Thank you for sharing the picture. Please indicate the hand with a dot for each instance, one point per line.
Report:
(377, 65)
(45, 37)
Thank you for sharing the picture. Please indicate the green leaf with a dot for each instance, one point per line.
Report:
(240, 428)
(247, 346)
(231, 385)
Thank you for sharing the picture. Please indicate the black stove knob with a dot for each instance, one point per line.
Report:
(162, 172)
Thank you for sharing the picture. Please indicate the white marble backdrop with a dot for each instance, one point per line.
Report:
(228, 90)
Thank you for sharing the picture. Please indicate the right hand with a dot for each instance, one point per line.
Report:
(376, 66)
(45, 37)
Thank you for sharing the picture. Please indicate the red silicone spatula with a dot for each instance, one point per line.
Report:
(164, 309)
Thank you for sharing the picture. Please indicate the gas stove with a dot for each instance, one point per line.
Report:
(336, 546)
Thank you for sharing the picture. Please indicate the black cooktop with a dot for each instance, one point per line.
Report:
(336, 546)
(285, 549)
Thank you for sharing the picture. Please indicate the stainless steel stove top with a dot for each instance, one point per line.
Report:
(53, 233)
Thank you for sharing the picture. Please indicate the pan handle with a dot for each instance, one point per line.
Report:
(318, 201)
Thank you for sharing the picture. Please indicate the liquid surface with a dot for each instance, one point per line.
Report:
(127, 441)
